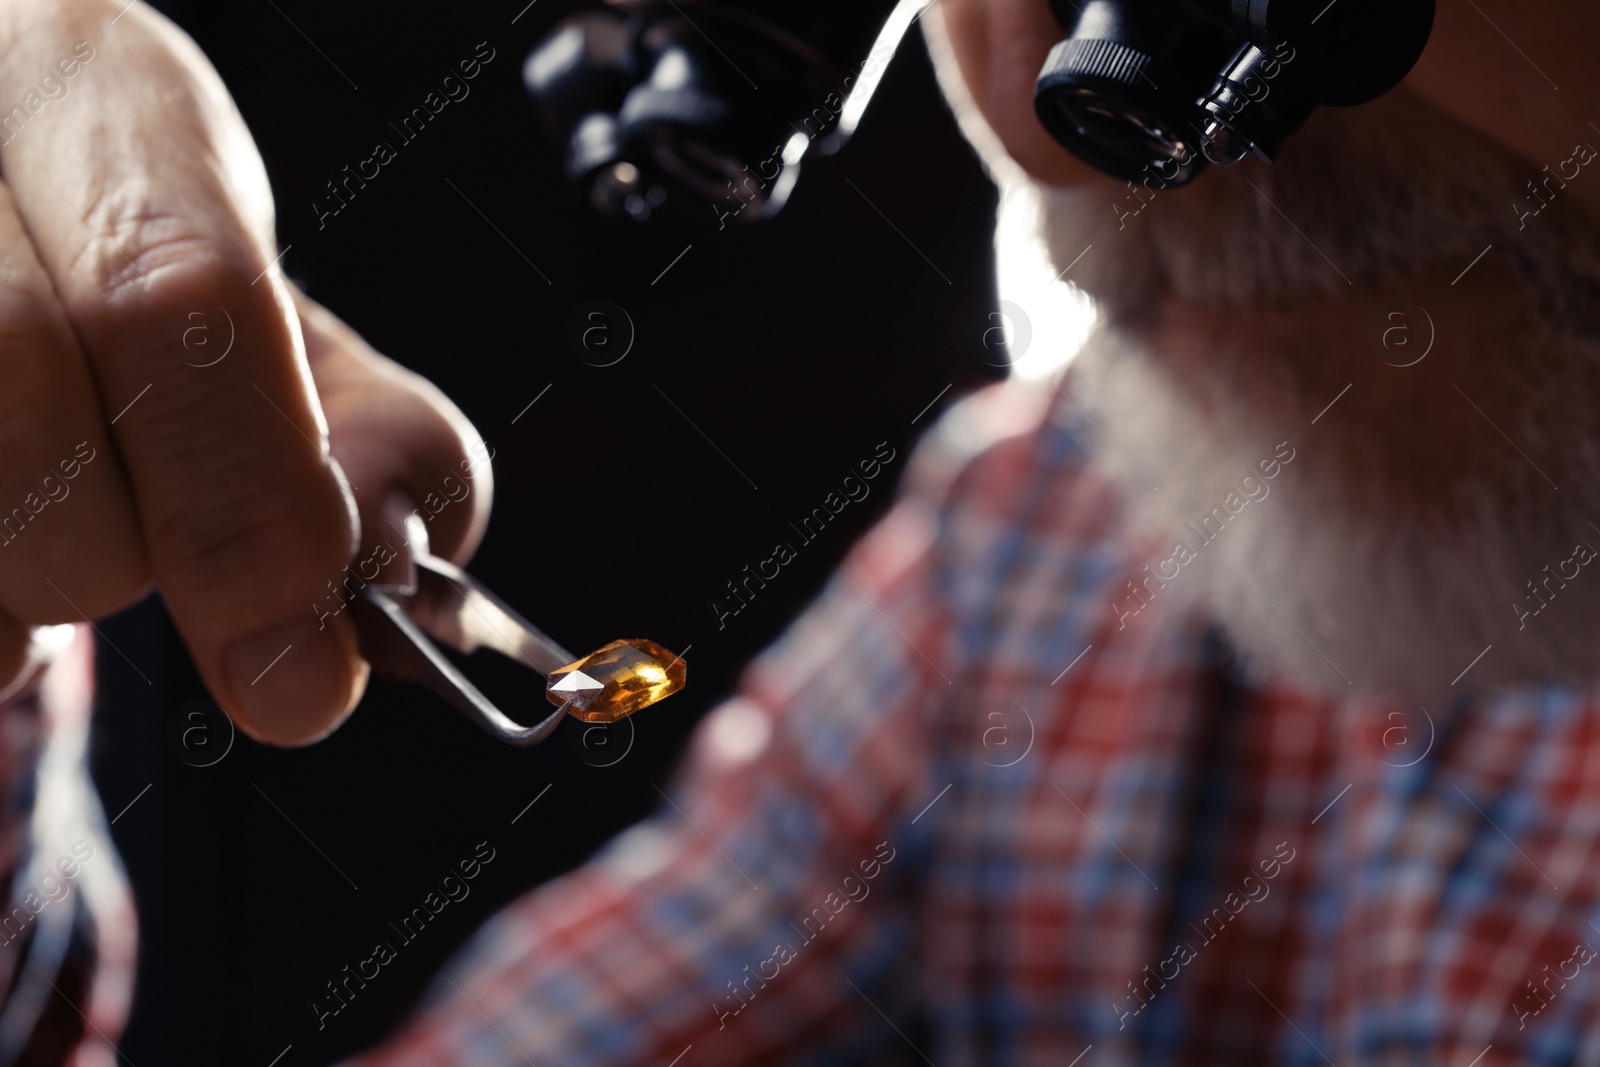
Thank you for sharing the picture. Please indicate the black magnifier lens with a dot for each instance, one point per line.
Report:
(706, 103)
(1120, 92)
(1121, 130)
(1150, 90)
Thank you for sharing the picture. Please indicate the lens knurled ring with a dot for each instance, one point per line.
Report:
(1096, 57)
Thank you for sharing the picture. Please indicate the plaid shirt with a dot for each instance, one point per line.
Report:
(962, 815)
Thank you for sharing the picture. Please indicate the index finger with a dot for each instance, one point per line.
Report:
(148, 204)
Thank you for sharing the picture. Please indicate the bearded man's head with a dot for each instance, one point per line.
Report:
(1393, 302)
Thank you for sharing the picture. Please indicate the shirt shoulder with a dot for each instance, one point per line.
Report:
(1014, 496)
(1001, 432)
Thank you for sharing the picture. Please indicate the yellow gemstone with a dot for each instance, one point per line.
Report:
(613, 682)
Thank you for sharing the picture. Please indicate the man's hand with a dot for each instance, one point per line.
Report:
(136, 245)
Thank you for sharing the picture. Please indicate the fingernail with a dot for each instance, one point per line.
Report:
(406, 532)
(295, 682)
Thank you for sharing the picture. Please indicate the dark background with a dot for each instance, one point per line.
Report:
(796, 346)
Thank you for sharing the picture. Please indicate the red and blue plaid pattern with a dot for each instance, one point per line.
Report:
(1087, 844)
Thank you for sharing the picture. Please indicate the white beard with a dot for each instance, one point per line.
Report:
(1362, 583)
(1390, 552)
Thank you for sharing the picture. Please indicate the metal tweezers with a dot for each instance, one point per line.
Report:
(398, 626)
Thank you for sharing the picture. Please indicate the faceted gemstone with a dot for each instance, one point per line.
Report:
(613, 682)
